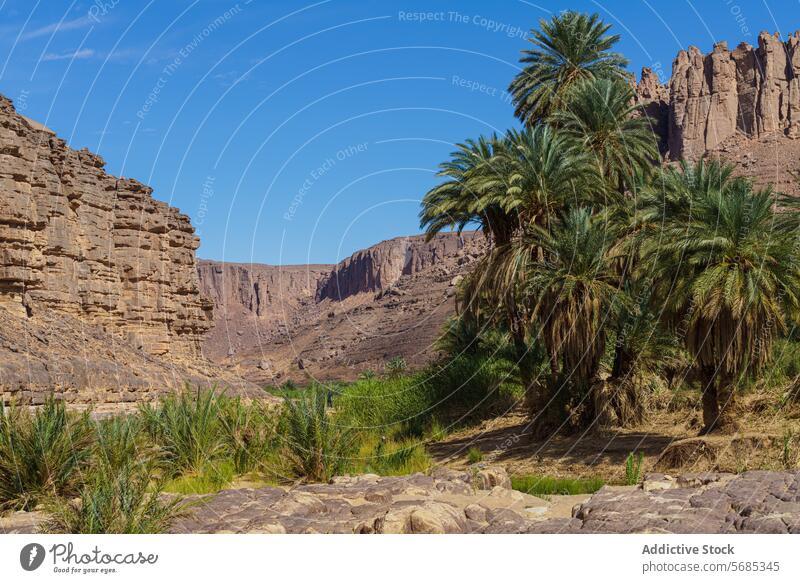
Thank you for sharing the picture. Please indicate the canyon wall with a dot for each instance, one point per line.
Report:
(380, 266)
(99, 295)
(274, 323)
(263, 291)
(80, 241)
(254, 303)
(750, 92)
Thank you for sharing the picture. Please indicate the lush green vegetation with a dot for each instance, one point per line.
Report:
(606, 268)
(549, 486)
(42, 454)
(122, 501)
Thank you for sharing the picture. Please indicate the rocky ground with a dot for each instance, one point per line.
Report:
(449, 501)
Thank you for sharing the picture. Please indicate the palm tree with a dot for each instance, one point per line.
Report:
(576, 289)
(599, 114)
(725, 269)
(546, 172)
(507, 186)
(568, 48)
(472, 193)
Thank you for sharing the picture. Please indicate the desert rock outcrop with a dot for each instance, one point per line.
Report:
(710, 98)
(382, 265)
(90, 263)
(448, 501)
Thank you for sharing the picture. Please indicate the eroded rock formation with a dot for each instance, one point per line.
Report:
(749, 91)
(462, 502)
(100, 259)
(83, 242)
(331, 322)
(381, 265)
(454, 502)
(254, 303)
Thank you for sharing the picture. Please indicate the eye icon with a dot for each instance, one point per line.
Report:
(31, 556)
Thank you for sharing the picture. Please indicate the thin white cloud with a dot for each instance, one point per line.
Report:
(81, 54)
(75, 24)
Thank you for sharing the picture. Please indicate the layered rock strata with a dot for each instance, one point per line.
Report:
(274, 323)
(382, 265)
(88, 259)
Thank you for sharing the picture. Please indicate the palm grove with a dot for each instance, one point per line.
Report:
(605, 266)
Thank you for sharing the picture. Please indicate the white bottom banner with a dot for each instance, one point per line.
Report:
(387, 558)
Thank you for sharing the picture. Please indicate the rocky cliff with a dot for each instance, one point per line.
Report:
(254, 303)
(275, 323)
(749, 92)
(89, 260)
(381, 266)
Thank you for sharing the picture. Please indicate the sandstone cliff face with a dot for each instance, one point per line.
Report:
(254, 303)
(260, 290)
(99, 297)
(750, 91)
(331, 321)
(381, 265)
(82, 242)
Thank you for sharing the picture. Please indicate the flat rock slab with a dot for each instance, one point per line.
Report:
(445, 502)
(456, 502)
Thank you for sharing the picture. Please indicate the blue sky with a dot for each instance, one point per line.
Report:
(299, 131)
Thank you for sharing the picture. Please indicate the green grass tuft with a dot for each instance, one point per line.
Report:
(474, 455)
(549, 486)
(316, 447)
(122, 501)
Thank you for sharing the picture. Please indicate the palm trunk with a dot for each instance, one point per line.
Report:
(726, 398)
(710, 403)
(525, 372)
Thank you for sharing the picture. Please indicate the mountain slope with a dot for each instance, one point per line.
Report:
(331, 322)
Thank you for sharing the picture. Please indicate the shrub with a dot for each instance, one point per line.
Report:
(367, 375)
(316, 447)
(123, 501)
(395, 367)
(120, 440)
(249, 433)
(548, 486)
(188, 430)
(387, 456)
(461, 389)
(42, 454)
(288, 390)
(212, 478)
(383, 404)
(474, 387)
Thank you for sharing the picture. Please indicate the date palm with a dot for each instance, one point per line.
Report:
(471, 194)
(600, 117)
(576, 290)
(524, 179)
(568, 48)
(547, 172)
(726, 267)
